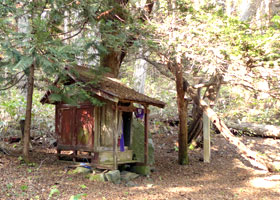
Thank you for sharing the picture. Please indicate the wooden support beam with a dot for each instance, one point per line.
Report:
(206, 138)
(128, 108)
(146, 125)
(115, 140)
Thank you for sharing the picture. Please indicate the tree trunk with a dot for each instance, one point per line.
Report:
(247, 9)
(113, 61)
(27, 124)
(182, 110)
(195, 129)
(23, 27)
(140, 74)
(113, 58)
(257, 129)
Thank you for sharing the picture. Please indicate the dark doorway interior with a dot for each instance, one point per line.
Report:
(127, 117)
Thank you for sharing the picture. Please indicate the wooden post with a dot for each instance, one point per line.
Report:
(206, 138)
(115, 140)
(75, 153)
(146, 147)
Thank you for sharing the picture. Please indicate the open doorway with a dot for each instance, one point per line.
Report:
(127, 119)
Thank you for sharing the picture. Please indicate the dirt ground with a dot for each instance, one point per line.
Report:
(228, 176)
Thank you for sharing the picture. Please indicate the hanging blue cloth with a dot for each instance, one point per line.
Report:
(122, 140)
(139, 113)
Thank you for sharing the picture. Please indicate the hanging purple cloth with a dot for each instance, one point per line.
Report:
(122, 140)
(139, 113)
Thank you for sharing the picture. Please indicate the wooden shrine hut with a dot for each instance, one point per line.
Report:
(100, 133)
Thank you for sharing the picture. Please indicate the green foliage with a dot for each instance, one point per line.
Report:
(11, 104)
(9, 186)
(54, 191)
(43, 43)
(237, 104)
(20, 158)
(206, 42)
(78, 196)
(276, 21)
(83, 186)
(24, 188)
(12, 109)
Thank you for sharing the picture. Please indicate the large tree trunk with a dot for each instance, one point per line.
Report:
(112, 61)
(113, 58)
(139, 74)
(27, 124)
(262, 130)
(182, 110)
(258, 11)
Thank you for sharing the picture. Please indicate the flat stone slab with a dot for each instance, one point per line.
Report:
(81, 170)
(142, 170)
(113, 176)
(97, 177)
(127, 176)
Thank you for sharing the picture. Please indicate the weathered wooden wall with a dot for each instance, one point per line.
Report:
(107, 125)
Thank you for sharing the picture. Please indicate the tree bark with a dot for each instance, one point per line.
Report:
(27, 124)
(139, 74)
(262, 130)
(182, 110)
(113, 60)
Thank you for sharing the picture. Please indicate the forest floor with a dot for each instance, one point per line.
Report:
(228, 176)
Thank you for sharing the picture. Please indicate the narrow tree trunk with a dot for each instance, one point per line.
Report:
(28, 113)
(23, 27)
(182, 110)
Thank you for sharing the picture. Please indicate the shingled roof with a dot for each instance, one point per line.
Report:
(108, 88)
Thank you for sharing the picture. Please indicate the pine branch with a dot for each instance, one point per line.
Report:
(81, 29)
(161, 68)
(13, 84)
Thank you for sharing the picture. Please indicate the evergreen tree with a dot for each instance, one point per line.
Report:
(43, 51)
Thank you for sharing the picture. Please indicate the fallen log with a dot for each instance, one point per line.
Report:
(257, 129)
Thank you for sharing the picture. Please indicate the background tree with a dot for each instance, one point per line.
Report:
(214, 50)
(41, 52)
